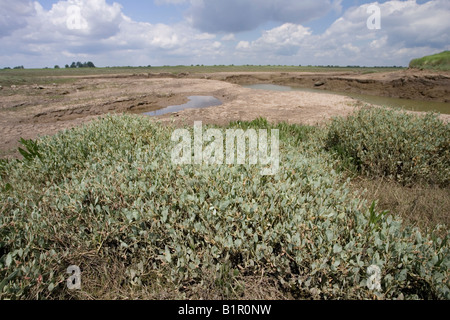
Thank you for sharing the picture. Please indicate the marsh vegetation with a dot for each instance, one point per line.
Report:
(106, 197)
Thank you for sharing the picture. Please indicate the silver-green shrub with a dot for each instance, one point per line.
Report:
(110, 189)
(394, 144)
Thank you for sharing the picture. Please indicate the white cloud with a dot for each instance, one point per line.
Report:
(243, 45)
(404, 24)
(229, 37)
(423, 28)
(99, 28)
(402, 21)
(216, 45)
(30, 33)
(243, 15)
(14, 15)
(205, 36)
(287, 34)
(284, 40)
(379, 43)
(351, 48)
(96, 18)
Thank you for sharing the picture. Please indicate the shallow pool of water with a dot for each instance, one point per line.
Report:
(413, 105)
(195, 102)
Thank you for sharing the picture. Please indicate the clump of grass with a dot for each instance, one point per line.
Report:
(440, 61)
(418, 205)
(293, 135)
(393, 144)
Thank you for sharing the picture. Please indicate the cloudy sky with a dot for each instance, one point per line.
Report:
(184, 32)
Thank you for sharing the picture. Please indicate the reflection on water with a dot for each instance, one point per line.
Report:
(273, 87)
(195, 102)
(413, 105)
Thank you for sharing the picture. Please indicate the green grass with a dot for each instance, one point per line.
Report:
(107, 197)
(289, 134)
(440, 61)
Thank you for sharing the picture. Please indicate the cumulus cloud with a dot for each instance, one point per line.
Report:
(234, 16)
(284, 40)
(98, 30)
(403, 22)
(229, 37)
(14, 15)
(93, 18)
(243, 45)
(413, 24)
(408, 30)
(93, 27)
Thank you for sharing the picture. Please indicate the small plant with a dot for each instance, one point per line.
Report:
(3, 164)
(32, 150)
(375, 218)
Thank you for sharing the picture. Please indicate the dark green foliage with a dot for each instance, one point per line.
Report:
(32, 150)
(78, 64)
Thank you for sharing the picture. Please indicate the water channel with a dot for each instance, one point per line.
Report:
(412, 105)
(194, 102)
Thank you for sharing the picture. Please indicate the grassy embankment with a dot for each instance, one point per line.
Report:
(108, 198)
(440, 61)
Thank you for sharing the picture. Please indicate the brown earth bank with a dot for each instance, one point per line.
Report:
(32, 111)
(427, 85)
(405, 84)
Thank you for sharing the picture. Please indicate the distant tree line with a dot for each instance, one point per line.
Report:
(18, 67)
(78, 64)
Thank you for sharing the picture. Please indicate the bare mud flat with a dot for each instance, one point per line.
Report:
(405, 84)
(32, 111)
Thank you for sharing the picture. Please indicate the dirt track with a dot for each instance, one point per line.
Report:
(32, 111)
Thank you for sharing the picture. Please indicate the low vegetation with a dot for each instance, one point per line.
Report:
(49, 75)
(107, 198)
(88, 64)
(394, 144)
(440, 61)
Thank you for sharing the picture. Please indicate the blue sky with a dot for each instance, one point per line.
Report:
(172, 32)
(143, 10)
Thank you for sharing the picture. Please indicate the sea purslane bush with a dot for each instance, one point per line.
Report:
(110, 189)
(384, 142)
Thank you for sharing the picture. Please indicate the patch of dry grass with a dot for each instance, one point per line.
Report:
(418, 205)
(106, 278)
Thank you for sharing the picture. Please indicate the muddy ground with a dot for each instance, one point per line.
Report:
(37, 110)
(406, 84)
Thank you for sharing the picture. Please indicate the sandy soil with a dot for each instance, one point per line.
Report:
(32, 111)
